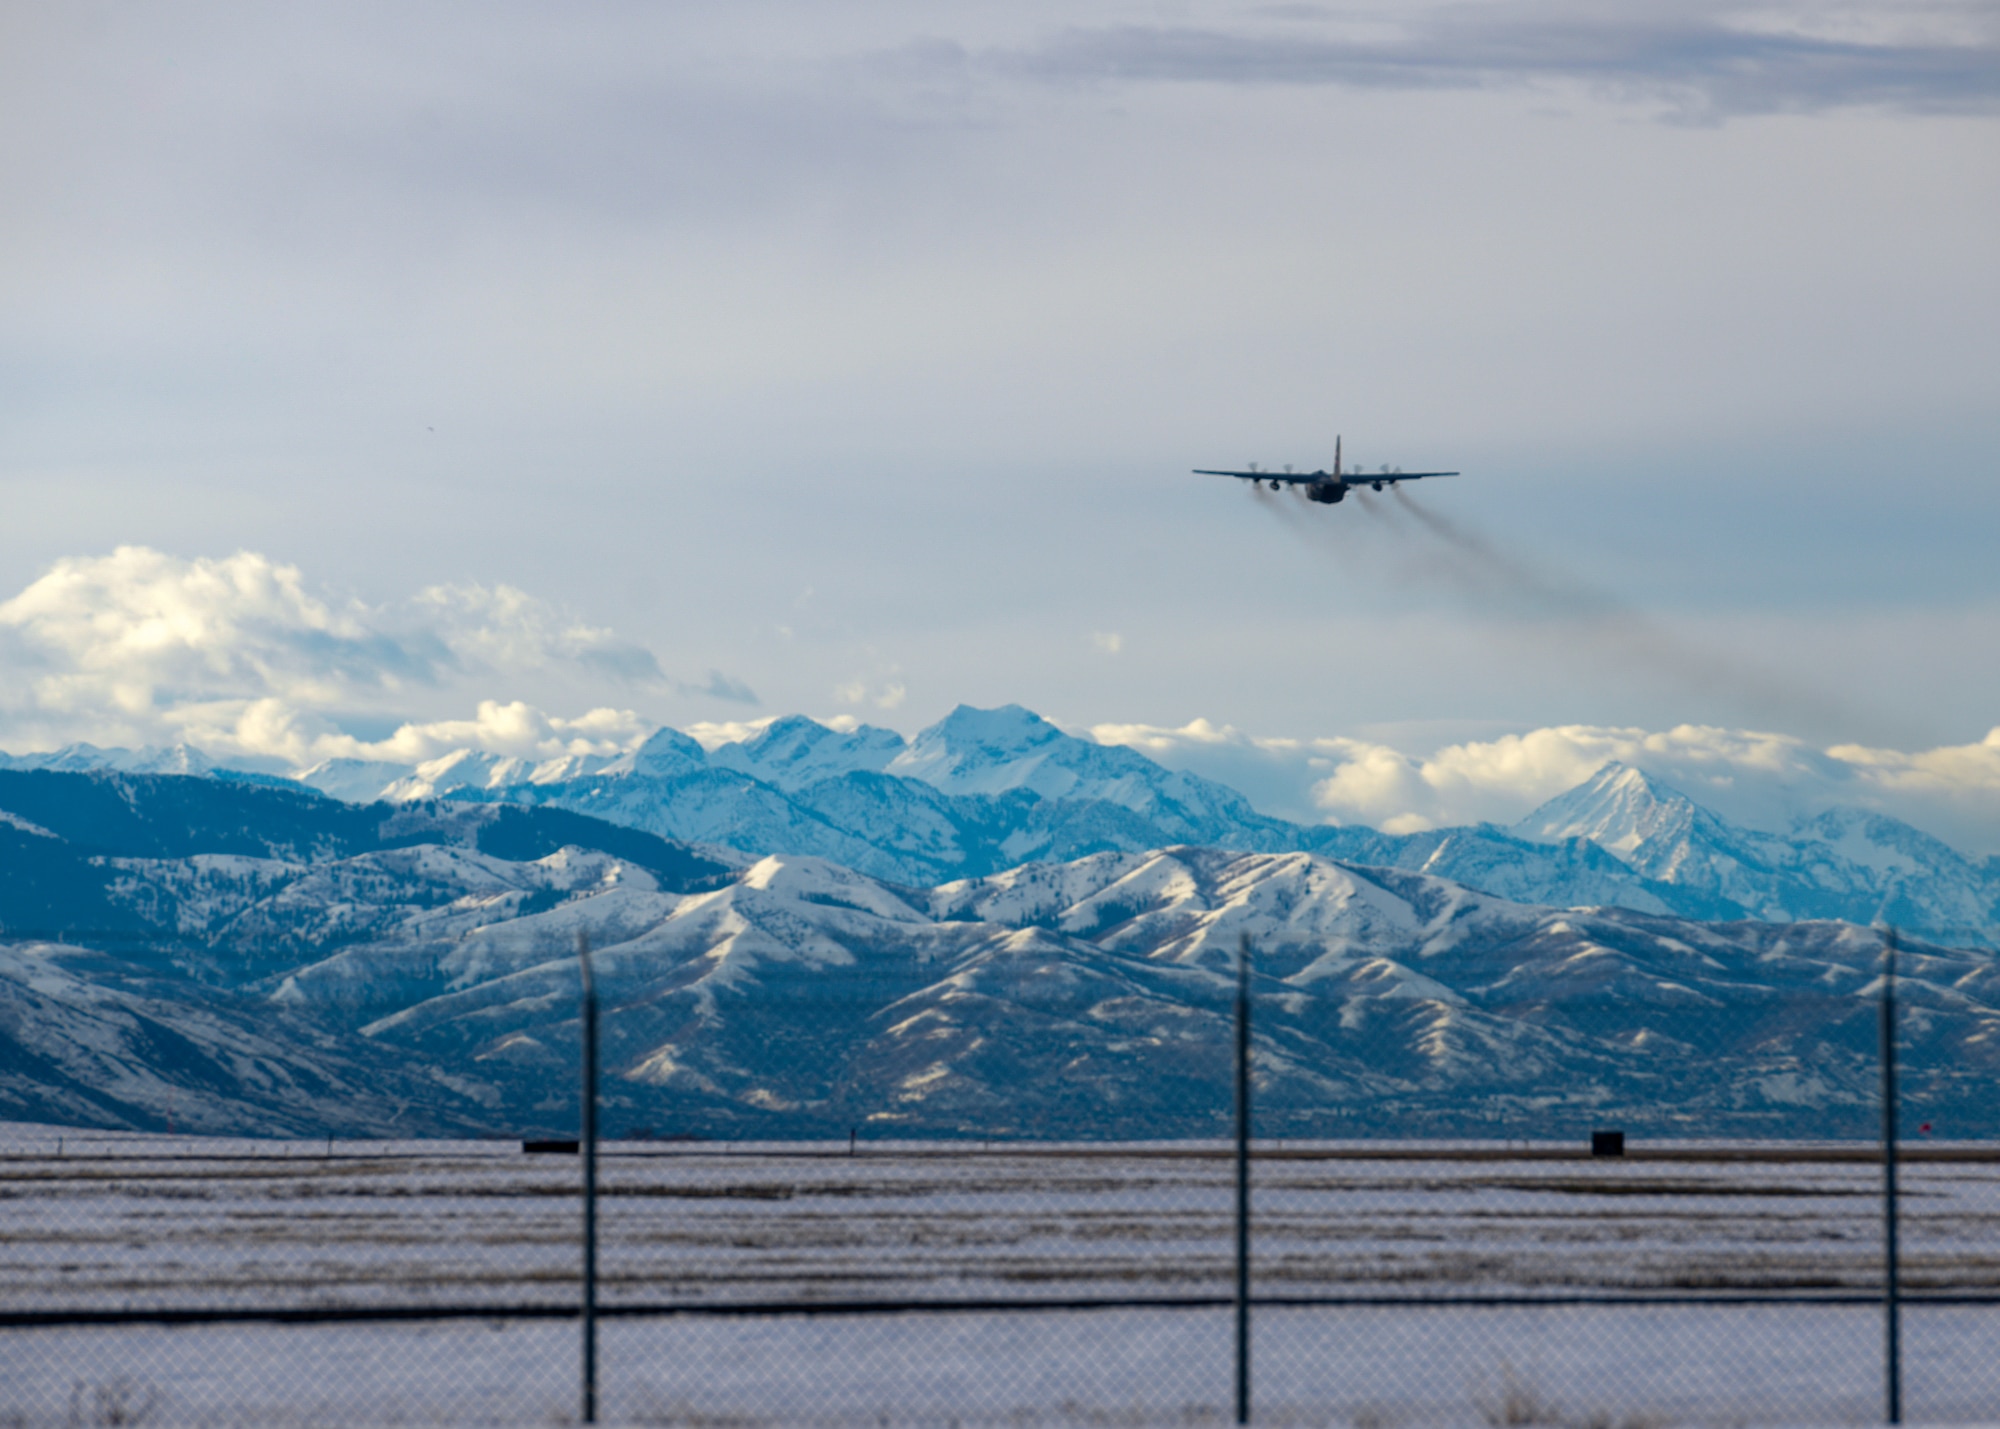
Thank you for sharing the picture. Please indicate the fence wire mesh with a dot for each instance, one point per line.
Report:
(1668, 1278)
(166, 1280)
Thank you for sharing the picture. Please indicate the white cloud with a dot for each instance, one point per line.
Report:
(1277, 775)
(1757, 778)
(138, 629)
(860, 691)
(713, 734)
(1955, 789)
(240, 656)
(273, 729)
(1747, 775)
(509, 629)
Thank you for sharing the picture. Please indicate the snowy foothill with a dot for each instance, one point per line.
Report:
(386, 969)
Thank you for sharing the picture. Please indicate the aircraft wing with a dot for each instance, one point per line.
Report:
(1287, 476)
(1352, 478)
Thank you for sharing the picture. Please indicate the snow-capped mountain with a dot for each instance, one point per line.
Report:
(973, 751)
(1844, 863)
(1921, 881)
(353, 781)
(980, 791)
(795, 753)
(1659, 833)
(266, 959)
(984, 790)
(87, 758)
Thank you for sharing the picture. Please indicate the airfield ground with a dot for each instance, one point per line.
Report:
(937, 1283)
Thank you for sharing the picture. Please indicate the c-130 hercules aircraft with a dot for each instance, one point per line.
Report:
(1326, 487)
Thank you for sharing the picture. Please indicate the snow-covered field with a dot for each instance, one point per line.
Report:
(89, 1221)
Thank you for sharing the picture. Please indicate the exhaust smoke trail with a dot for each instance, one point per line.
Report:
(1495, 572)
(1291, 507)
(1322, 526)
(1547, 607)
(1544, 601)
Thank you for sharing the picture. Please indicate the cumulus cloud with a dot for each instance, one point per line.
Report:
(1757, 778)
(240, 656)
(1957, 785)
(885, 695)
(1748, 775)
(137, 630)
(1276, 775)
(273, 729)
(508, 629)
(713, 734)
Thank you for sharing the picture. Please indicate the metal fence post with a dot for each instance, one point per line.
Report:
(1243, 1181)
(589, 1137)
(1892, 1309)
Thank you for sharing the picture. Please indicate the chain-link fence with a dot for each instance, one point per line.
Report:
(1636, 1281)
(156, 1280)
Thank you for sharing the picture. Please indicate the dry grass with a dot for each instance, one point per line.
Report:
(1514, 1402)
(119, 1402)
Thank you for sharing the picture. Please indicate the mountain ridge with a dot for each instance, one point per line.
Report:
(395, 969)
(983, 790)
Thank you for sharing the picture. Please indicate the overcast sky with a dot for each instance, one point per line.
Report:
(361, 363)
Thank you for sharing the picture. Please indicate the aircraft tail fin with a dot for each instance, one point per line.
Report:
(1336, 454)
